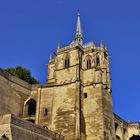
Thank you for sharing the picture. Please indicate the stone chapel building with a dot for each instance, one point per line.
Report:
(75, 102)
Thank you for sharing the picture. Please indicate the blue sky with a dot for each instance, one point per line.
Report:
(31, 29)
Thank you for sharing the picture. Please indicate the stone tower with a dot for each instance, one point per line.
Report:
(83, 72)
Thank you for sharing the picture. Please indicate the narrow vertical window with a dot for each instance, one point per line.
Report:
(85, 95)
(88, 63)
(67, 62)
(97, 61)
(46, 112)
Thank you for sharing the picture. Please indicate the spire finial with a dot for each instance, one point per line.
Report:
(101, 44)
(78, 12)
(58, 46)
(79, 36)
(50, 57)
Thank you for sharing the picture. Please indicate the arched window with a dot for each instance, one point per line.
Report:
(88, 63)
(31, 107)
(67, 62)
(97, 61)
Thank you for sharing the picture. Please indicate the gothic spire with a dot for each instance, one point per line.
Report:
(78, 36)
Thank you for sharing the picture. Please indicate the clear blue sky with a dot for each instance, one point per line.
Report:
(31, 29)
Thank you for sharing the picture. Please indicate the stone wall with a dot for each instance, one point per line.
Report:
(18, 129)
(13, 93)
(125, 130)
(133, 129)
(78, 98)
(60, 104)
(92, 111)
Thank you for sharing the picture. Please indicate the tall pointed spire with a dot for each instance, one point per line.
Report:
(79, 36)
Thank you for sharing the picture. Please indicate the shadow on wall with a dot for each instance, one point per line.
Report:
(135, 137)
(83, 126)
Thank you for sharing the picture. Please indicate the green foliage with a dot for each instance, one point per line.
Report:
(23, 74)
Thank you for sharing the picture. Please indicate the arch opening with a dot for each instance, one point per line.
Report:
(30, 108)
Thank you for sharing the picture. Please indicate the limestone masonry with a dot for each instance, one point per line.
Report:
(74, 104)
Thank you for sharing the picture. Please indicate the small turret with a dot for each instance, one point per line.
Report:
(50, 58)
(101, 44)
(58, 46)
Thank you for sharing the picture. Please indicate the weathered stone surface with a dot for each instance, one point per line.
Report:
(13, 93)
(18, 129)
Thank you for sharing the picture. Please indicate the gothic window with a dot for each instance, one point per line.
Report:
(31, 107)
(88, 63)
(67, 62)
(97, 61)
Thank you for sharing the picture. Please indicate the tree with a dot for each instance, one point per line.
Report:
(23, 74)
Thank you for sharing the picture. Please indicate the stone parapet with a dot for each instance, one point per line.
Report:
(14, 79)
(24, 130)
